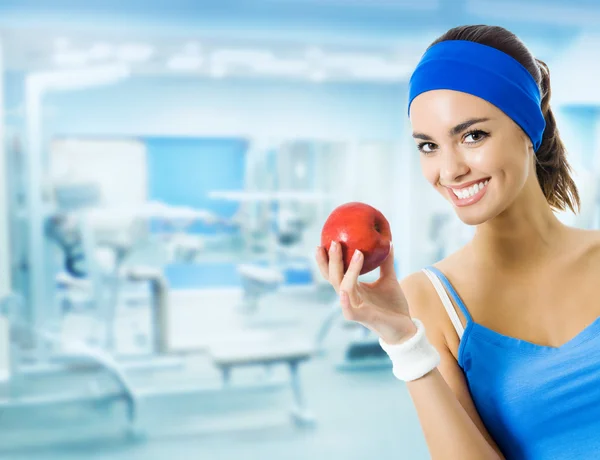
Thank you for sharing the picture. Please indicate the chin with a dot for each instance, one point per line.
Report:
(472, 217)
(472, 220)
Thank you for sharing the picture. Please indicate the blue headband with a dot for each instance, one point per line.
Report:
(484, 72)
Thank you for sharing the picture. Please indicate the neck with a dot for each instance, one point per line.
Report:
(521, 237)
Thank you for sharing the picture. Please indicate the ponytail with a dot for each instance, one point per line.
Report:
(553, 170)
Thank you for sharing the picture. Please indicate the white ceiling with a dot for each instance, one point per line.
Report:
(44, 50)
(368, 40)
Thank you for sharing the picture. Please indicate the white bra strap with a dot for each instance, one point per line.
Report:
(437, 284)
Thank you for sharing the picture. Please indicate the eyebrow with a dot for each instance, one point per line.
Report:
(454, 131)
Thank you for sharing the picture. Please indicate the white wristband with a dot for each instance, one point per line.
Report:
(413, 358)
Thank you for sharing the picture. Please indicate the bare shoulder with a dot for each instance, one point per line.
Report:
(419, 293)
(593, 241)
(586, 248)
(424, 304)
(583, 242)
(589, 236)
(424, 301)
(417, 284)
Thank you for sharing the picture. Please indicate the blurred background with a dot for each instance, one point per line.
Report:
(167, 168)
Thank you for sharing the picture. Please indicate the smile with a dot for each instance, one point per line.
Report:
(470, 191)
(469, 195)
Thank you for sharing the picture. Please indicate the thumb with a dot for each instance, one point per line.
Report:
(387, 267)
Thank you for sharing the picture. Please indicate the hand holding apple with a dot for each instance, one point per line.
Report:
(380, 305)
(359, 226)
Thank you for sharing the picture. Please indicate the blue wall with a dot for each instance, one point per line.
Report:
(182, 172)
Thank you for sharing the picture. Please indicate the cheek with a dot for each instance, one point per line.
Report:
(488, 159)
(507, 156)
(430, 170)
(511, 162)
(504, 160)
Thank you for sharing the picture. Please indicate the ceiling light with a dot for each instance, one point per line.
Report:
(282, 67)
(217, 71)
(317, 76)
(242, 56)
(185, 63)
(70, 58)
(384, 71)
(135, 52)
(100, 51)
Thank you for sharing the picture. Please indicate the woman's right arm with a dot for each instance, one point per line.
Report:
(448, 417)
(452, 427)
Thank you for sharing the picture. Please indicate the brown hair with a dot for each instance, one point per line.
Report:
(553, 170)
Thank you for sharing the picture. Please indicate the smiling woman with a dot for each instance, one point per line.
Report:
(479, 105)
(511, 375)
(502, 104)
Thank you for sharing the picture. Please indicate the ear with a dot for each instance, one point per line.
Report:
(528, 141)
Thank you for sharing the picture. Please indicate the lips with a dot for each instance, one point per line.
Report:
(467, 184)
(470, 199)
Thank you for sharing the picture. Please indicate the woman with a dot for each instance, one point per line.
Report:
(511, 367)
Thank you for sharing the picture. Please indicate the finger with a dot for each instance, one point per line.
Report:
(350, 279)
(387, 267)
(322, 262)
(336, 265)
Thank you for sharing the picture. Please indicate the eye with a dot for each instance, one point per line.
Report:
(426, 147)
(476, 136)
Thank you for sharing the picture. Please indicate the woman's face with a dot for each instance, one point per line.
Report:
(471, 152)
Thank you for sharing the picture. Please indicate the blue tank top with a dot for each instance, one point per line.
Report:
(537, 402)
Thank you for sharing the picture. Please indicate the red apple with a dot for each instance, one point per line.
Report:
(359, 226)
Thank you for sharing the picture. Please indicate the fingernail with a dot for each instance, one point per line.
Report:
(332, 247)
(356, 256)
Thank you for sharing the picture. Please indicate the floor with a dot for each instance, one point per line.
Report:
(359, 414)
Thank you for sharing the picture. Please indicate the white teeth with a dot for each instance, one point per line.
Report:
(470, 191)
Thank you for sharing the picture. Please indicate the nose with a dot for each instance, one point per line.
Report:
(453, 166)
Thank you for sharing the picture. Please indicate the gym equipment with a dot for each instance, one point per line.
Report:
(94, 264)
(284, 249)
(270, 352)
(363, 351)
(78, 355)
(257, 281)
